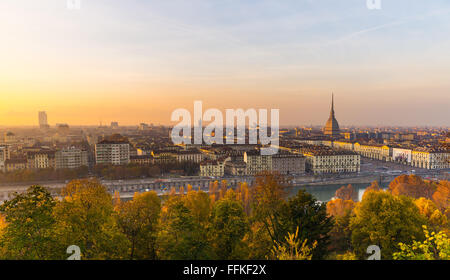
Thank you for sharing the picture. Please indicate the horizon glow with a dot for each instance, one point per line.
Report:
(136, 61)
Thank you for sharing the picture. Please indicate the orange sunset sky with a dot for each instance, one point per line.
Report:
(137, 61)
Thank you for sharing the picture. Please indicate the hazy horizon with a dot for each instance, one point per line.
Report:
(137, 61)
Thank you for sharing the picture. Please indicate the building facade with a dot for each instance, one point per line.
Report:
(115, 152)
(189, 156)
(42, 159)
(71, 157)
(15, 164)
(257, 163)
(213, 168)
(289, 163)
(430, 159)
(325, 162)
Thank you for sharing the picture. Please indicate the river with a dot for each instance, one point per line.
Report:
(325, 193)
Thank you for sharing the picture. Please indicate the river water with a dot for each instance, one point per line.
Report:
(325, 193)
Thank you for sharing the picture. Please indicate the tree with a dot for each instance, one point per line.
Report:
(442, 195)
(339, 207)
(85, 217)
(138, 220)
(28, 226)
(384, 220)
(199, 204)
(412, 186)
(346, 193)
(293, 248)
(373, 187)
(181, 236)
(435, 247)
(340, 234)
(310, 217)
(269, 206)
(228, 226)
(436, 219)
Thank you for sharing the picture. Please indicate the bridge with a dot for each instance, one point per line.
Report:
(126, 188)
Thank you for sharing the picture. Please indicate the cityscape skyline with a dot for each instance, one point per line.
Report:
(385, 66)
(117, 122)
(184, 133)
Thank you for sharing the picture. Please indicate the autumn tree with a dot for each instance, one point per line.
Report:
(28, 228)
(200, 205)
(269, 206)
(442, 195)
(138, 220)
(339, 207)
(374, 186)
(385, 220)
(229, 224)
(340, 234)
(435, 247)
(259, 241)
(346, 193)
(412, 186)
(293, 248)
(308, 216)
(181, 236)
(85, 217)
(437, 221)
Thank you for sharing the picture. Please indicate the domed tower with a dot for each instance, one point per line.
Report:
(331, 128)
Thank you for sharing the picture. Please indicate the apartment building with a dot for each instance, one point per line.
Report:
(190, 155)
(71, 157)
(4, 155)
(430, 158)
(257, 163)
(213, 168)
(42, 159)
(327, 161)
(15, 164)
(236, 168)
(141, 159)
(286, 163)
(374, 151)
(110, 151)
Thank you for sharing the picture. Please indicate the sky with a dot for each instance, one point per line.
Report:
(137, 61)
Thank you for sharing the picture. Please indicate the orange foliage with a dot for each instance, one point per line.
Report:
(346, 192)
(412, 186)
(339, 207)
(442, 195)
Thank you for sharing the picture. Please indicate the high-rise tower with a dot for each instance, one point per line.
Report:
(331, 128)
(43, 119)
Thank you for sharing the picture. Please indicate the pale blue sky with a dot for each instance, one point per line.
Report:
(388, 66)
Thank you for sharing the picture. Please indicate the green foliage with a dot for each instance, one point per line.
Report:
(29, 225)
(229, 224)
(85, 217)
(270, 207)
(138, 220)
(384, 220)
(250, 222)
(258, 241)
(181, 237)
(435, 247)
(310, 217)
